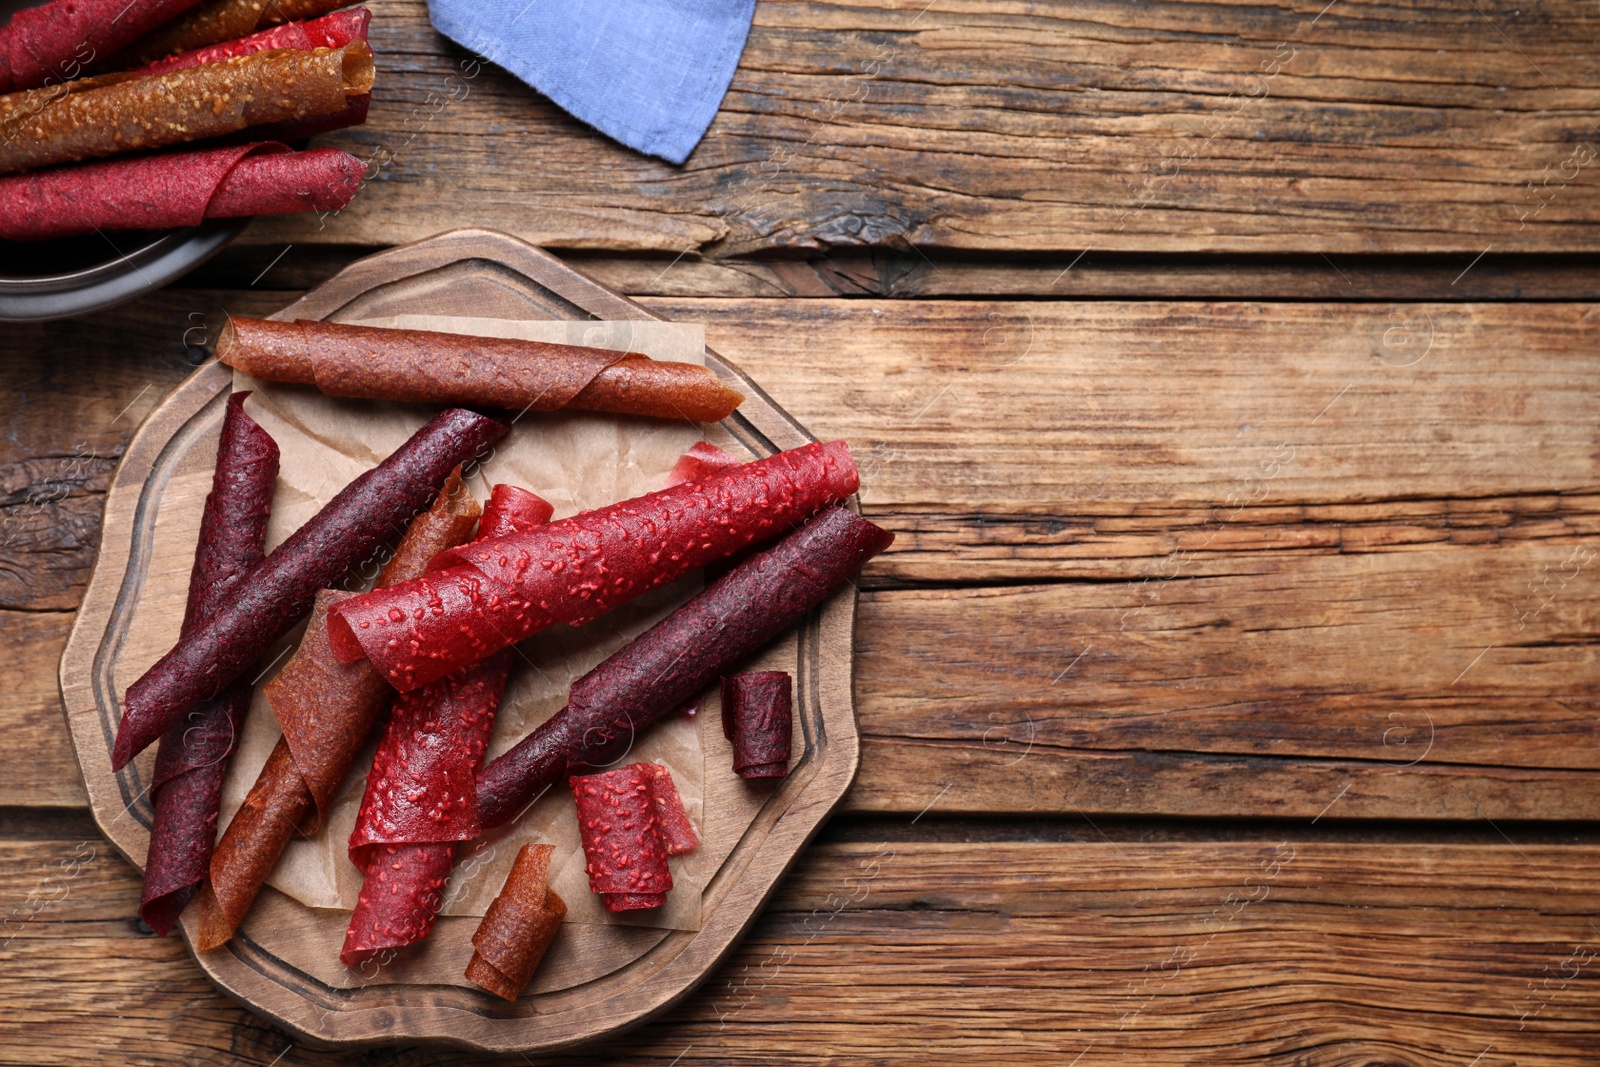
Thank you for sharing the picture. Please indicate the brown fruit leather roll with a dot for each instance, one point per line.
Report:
(193, 754)
(182, 105)
(518, 927)
(215, 21)
(175, 189)
(327, 709)
(56, 41)
(446, 368)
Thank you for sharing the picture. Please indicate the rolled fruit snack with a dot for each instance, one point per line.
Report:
(678, 657)
(193, 755)
(327, 709)
(331, 31)
(214, 21)
(209, 100)
(425, 366)
(489, 595)
(517, 929)
(56, 41)
(278, 592)
(175, 189)
(756, 710)
(622, 818)
(421, 796)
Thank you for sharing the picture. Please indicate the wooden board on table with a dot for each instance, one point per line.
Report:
(599, 979)
(1272, 951)
(966, 125)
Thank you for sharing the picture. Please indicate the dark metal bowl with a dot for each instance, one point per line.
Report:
(77, 275)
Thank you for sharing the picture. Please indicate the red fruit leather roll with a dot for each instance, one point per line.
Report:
(756, 710)
(330, 31)
(54, 42)
(421, 796)
(617, 820)
(425, 366)
(677, 832)
(493, 594)
(177, 189)
(279, 591)
(675, 659)
(518, 927)
(214, 21)
(193, 755)
(326, 709)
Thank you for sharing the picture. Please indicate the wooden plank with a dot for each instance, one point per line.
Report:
(1087, 477)
(1118, 952)
(1198, 125)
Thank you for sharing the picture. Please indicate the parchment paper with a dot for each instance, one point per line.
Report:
(575, 460)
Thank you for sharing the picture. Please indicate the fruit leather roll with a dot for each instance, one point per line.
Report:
(193, 755)
(208, 100)
(330, 31)
(364, 516)
(57, 41)
(447, 368)
(492, 594)
(326, 709)
(673, 661)
(625, 844)
(421, 796)
(213, 21)
(756, 711)
(518, 927)
(175, 189)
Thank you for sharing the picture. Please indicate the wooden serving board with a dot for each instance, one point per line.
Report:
(278, 963)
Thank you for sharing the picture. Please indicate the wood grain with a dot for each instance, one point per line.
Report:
(1277, 952)
(973, 126)
(1064, 498)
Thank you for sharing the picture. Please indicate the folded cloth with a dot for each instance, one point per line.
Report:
(649, 73)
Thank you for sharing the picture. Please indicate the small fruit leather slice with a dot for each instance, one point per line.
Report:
(701, 459)
(491, 594)
(518, 927)
(757, 708)
(622, 840)
(421, 796)
(193, 755)
(365, 515)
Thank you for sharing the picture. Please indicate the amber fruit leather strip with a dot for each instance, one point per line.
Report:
(756, 711)
(674, 660)
(617, 820)
(365, 515)
(57, 41)
(448, 368)
(193, 755)
(183, 105)
(215, 21)
(421, 796)
(518, 927)
(327, 709)
(494, 593)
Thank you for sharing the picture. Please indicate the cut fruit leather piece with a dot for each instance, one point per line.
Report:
(672, 821)
(491, 594)
(676, 659)
(622, 842)
(421, 794)
(518, 926)
(757, 709)
(186, 789)
(280, 590)
(326, 709)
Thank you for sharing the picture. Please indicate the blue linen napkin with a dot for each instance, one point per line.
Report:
(649, 73)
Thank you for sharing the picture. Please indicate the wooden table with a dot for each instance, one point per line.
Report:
(1228, 375)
